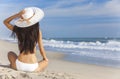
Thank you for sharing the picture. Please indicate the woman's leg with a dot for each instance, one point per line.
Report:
(12, 58)
(42, 65)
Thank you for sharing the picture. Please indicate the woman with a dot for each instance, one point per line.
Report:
(26, 29)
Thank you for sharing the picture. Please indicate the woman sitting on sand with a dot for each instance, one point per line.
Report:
(26, 29)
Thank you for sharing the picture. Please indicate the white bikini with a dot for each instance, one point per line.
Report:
(26, 66)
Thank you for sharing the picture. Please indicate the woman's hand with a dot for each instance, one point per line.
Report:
(21, 13)
(45, 59)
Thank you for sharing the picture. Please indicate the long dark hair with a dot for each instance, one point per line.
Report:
(27, 37)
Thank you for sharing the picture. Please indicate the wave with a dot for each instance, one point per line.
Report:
(9, 39)
(111, 45)
(106, 50)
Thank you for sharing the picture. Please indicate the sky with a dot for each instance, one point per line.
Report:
(69, 18)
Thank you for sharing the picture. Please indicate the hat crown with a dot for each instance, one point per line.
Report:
(28, 13)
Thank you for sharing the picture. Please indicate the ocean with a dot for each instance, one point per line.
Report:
(97, 51)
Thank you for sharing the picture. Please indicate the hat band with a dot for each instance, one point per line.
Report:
(28, 18)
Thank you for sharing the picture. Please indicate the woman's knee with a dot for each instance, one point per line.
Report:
(11, 53)
(12, 56)
(43, 63)
(46, 62)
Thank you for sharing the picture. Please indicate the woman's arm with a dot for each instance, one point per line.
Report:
(41, 48)
(8, 20)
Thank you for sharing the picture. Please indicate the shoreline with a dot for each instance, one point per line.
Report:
(58, 68)
(74, 57)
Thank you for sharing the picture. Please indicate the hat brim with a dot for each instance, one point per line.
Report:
(39, 14)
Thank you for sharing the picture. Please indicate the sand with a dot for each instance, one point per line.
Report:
(58, 68)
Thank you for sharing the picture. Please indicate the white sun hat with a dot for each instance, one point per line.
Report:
(34, 14)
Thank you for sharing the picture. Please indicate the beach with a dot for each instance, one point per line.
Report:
(58, 68)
